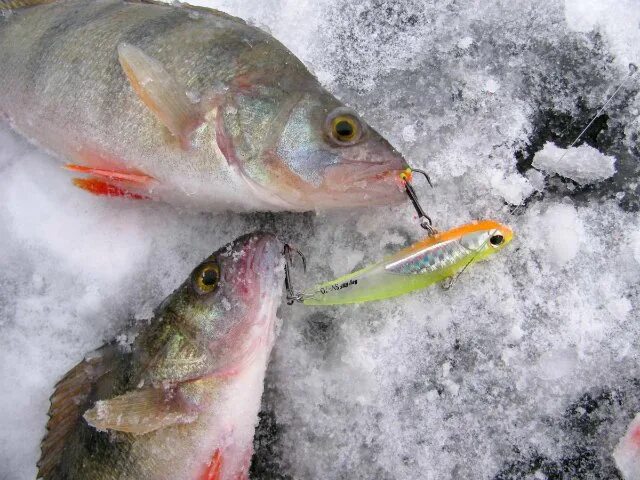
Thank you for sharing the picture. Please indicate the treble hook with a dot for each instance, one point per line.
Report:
(292, 296)
(425, 220)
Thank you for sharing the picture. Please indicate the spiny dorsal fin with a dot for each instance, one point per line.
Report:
(68, 404)
(16, 4)
(159, 91)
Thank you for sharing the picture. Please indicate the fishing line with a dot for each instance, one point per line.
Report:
(632, 71)
(452, 280)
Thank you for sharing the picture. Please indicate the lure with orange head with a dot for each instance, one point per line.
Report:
(431, 260)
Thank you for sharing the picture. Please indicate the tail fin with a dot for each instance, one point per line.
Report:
(16, 4)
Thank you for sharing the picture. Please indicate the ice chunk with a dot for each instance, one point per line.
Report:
(583, 164)
(513, 187)
(627, 452)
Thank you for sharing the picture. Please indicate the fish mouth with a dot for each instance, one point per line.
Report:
(259, 278)
(366, 183)
(266, 264)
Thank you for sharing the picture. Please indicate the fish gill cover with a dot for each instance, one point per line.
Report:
(528, 367)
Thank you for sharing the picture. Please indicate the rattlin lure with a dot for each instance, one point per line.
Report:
(429, 261)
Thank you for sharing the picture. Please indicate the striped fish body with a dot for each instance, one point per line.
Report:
(186, 105)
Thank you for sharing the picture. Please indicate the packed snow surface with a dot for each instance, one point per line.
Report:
(583, 164)
(526, 368)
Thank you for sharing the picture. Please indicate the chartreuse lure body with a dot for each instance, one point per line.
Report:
(427, 262)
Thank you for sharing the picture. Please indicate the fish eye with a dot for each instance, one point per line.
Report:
(206, 277)
(343, 127)
(496, 240)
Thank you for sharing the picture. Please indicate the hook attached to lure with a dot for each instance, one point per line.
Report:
(436, 258)
(425, 220)
(292, 296)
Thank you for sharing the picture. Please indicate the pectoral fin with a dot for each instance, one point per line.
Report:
(159, 91)
(133, 177)
(140, 411)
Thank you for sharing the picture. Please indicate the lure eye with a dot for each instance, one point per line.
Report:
(343, 127)
(496, 240)
(206, 278)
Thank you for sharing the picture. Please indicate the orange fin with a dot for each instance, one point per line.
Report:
(214, 469)
(100, 187)
(130, 176)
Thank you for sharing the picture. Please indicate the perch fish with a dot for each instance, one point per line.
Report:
(187, 105)
(181, 401)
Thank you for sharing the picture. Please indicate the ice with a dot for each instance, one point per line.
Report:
(584, 164)
(526, 368)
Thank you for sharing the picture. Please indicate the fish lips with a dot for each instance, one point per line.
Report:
(261, 271)
(367, 183)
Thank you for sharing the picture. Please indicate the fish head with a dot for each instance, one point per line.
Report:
(485, 238)
(228, 302)
(314, 153)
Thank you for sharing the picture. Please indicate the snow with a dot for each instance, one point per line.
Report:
(526, 368)
(584, 164)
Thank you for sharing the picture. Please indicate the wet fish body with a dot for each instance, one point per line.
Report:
(186, 105)
(182, 401)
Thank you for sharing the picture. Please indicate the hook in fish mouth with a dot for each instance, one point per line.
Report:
(292, 295)
(406, 177)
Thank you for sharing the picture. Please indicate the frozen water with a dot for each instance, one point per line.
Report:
(527, 368)
(584, 164)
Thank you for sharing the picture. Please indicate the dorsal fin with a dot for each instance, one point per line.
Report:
(68, 405)
(16, 4)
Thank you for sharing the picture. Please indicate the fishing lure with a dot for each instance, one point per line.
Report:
(433, 259)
